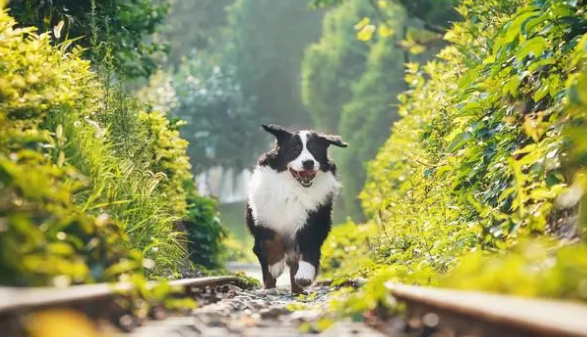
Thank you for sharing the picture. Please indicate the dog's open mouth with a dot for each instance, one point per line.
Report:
(303, 177)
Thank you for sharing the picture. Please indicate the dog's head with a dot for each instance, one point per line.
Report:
(303, 153)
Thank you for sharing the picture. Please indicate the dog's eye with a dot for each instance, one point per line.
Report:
(298, 147)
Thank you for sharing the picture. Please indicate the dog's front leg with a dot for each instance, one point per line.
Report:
(293, 265)
(306, 271)
(308, 261)
(309, 242)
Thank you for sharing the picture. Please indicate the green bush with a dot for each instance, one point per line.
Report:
(47, 234)
(331, 65)
(540, 268)
(203, 228)
(347, 246)
(365, 120)
(485, 151)
(91, 187)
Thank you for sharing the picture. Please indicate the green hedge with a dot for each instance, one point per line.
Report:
(486, 149)
(91, 186)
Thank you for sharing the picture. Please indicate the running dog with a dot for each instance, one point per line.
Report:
(289, 206)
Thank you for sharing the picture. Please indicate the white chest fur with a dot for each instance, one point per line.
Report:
(279, 202)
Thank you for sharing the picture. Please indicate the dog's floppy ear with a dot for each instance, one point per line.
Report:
(334, 140)
(278, 131)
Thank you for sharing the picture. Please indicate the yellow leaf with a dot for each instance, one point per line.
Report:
(384, 31)
(361, 24)
(532, 127)
(366, 33)
(61, 159)
(61, 323)
(417, 49)
(382, 4)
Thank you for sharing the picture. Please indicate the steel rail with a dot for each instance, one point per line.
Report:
(14, 299)
(476, 313)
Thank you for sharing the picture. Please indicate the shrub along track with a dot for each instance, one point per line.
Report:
(228, 307)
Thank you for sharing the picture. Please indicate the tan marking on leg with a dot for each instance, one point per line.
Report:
(275, 249)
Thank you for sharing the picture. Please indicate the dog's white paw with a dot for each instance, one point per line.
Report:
(305, 274)
(277, 269)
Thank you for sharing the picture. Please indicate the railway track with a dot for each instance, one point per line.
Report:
(469, 313)
(231, 310)
(99, 302)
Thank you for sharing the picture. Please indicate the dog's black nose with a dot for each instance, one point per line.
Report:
(308, 164)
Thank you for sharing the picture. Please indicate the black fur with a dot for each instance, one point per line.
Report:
(288, 147)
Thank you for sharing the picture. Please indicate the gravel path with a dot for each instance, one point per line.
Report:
(272, 313)
(254, 270)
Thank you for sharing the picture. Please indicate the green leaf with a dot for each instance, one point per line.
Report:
(459, 142)
(541, 92)
(534, 47)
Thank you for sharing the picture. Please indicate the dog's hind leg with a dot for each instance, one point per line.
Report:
(269, 248)
(275, 251)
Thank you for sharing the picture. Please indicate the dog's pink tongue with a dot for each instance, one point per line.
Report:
(307, 174)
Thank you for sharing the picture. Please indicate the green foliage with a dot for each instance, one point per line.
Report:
(436, 14)
(576, 86)
(333, 64)
(241, 69)
(489, 141)
(347, 246)
(473, 171)
(534, 269)
(365, 120)
(90, 186)
(235, 250)
(205, 234)
(115, 26)
(350, 88)
(46, 236)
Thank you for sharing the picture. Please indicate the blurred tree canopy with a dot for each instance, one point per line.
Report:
(437, 14)
(351, 77)
(268, 39)
(236, 66)
(222, 128)
(240, 63)
(119, 27)
(194, 26)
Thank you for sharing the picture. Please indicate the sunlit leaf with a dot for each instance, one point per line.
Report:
(361, 24)
(366, 33)
(534, 47)
(384, 31)
(57, 29)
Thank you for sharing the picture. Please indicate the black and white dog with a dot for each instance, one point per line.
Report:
(289, 207)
